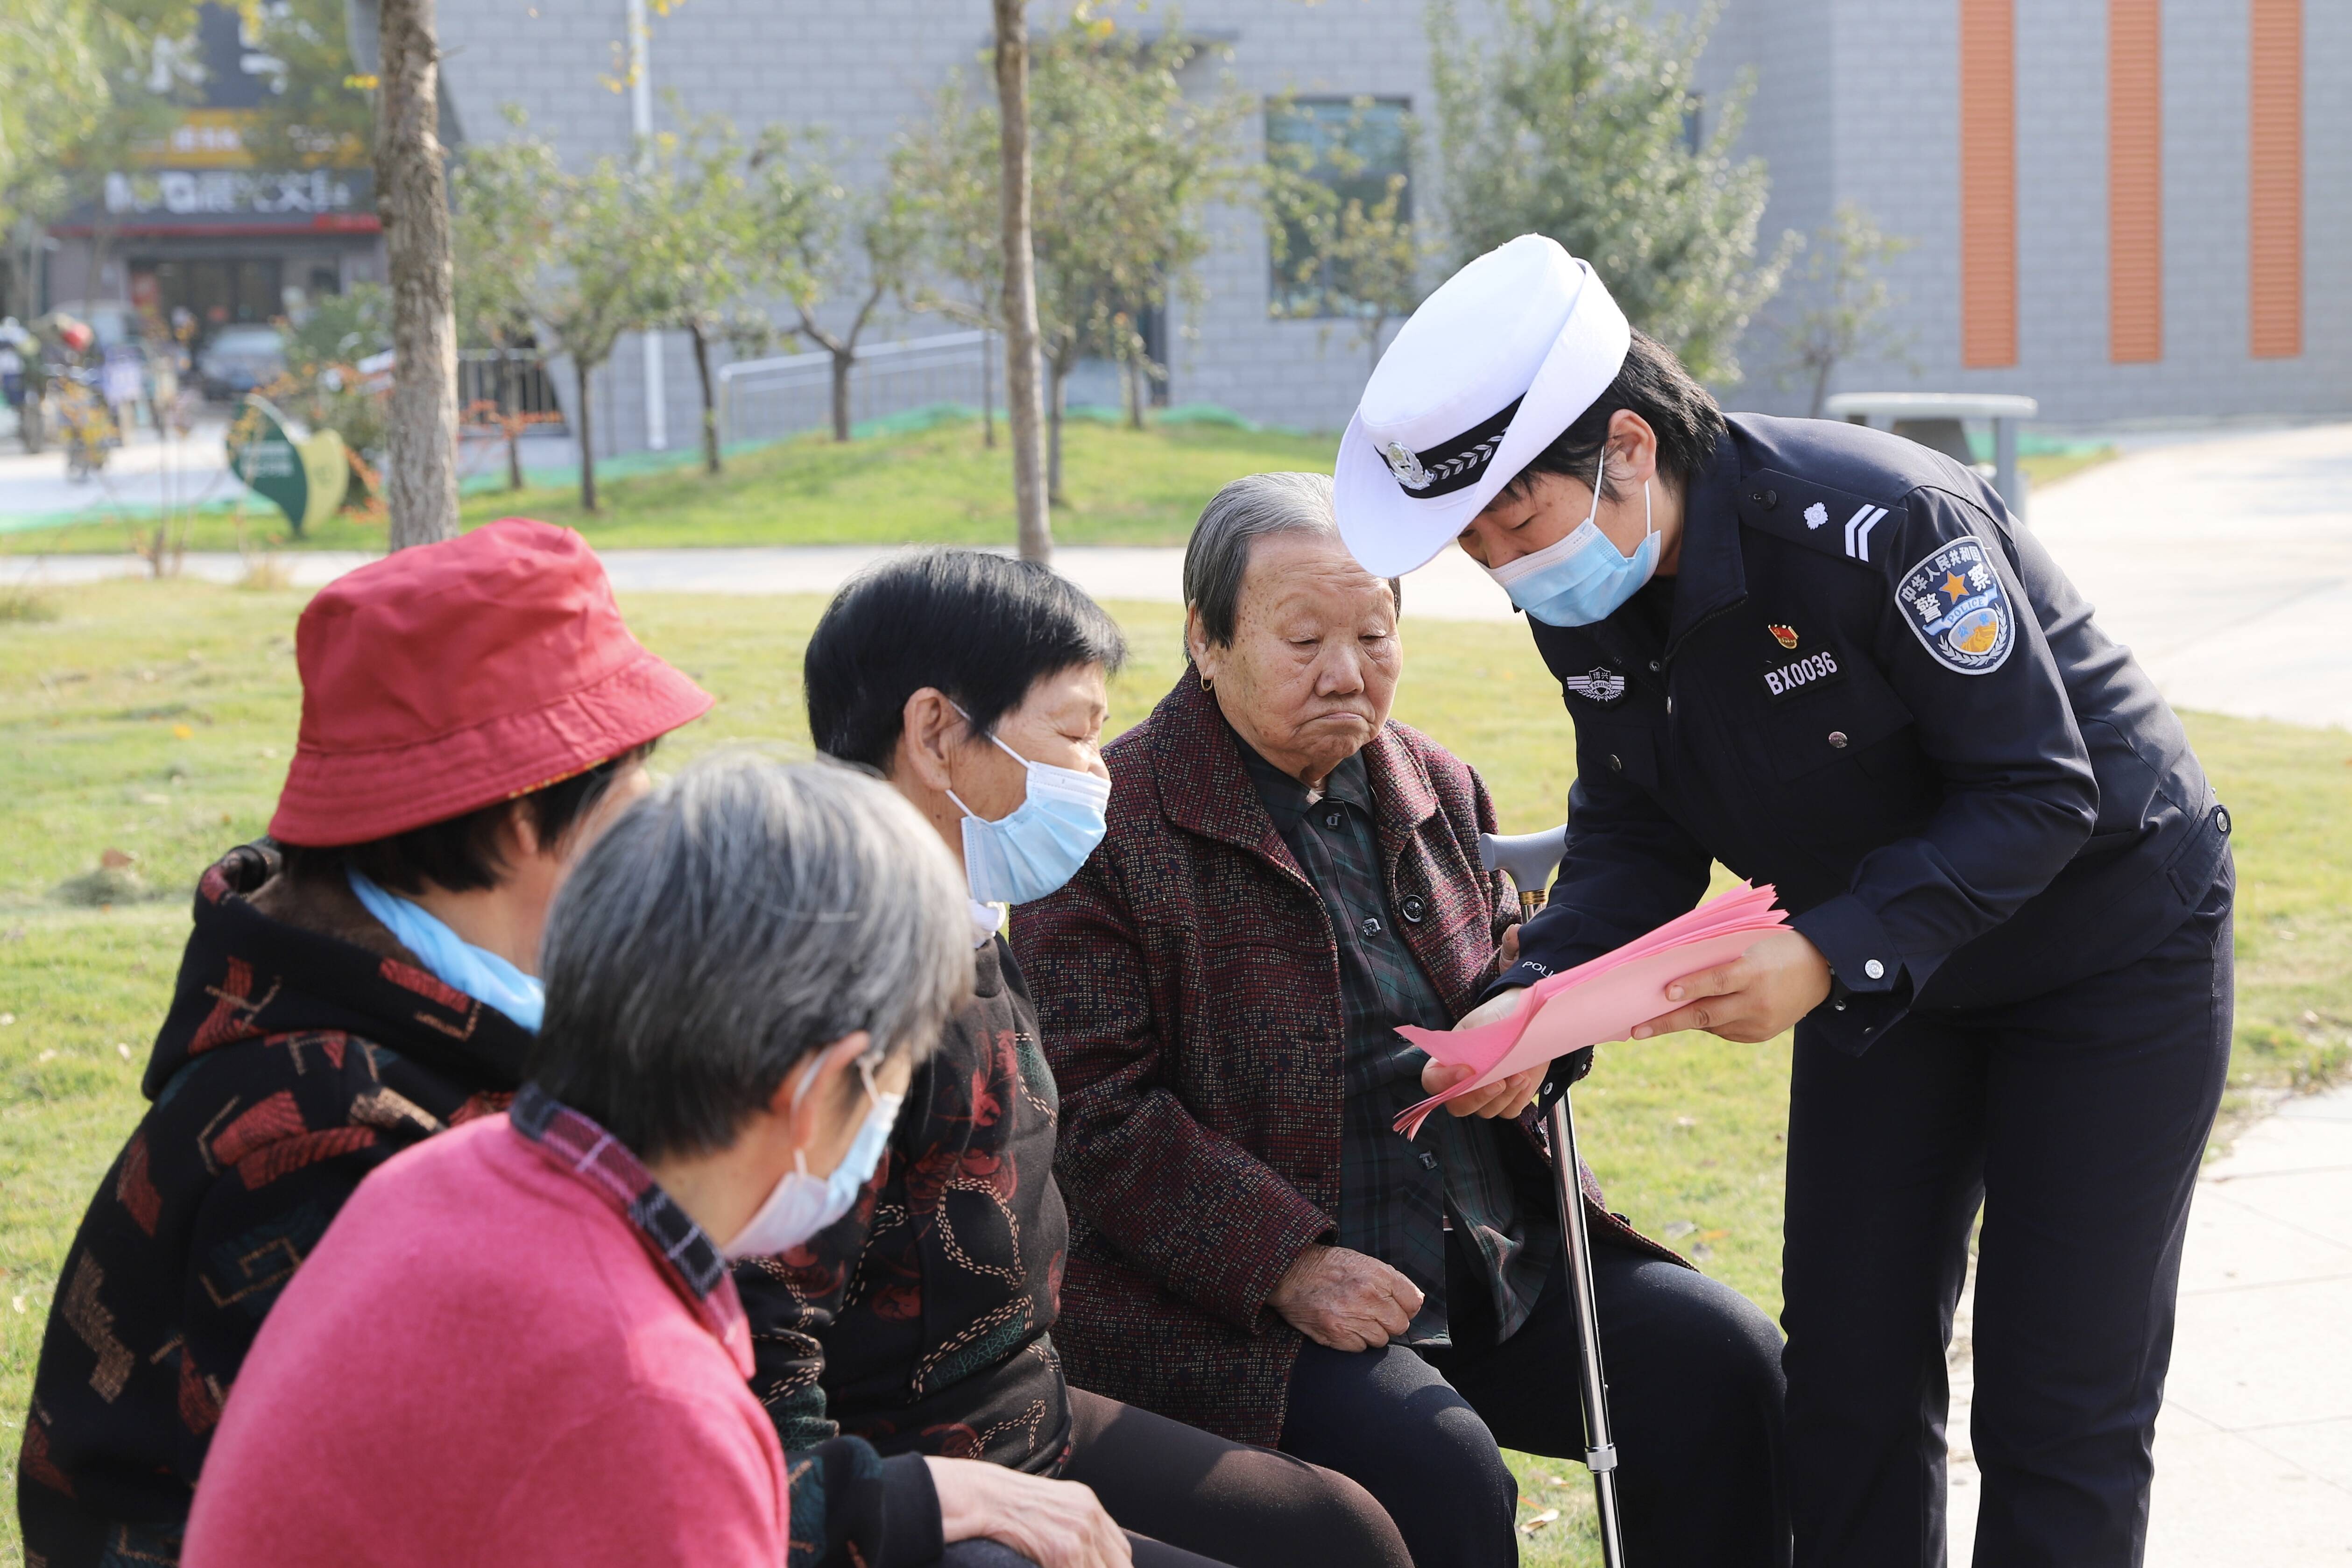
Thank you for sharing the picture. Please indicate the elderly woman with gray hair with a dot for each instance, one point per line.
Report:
(1288, 876)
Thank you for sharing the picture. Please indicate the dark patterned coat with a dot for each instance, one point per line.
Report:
(921, 1321)
(1188, 984)
(304, 1048)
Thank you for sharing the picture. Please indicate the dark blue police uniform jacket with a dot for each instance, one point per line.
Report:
(1879, 694)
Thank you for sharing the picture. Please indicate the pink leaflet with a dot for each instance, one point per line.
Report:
(1600, 1000)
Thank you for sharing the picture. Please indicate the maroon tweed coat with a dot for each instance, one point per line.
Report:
(1188, 985)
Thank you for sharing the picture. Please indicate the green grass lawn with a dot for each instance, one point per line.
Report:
(154, 719)
(935, 486)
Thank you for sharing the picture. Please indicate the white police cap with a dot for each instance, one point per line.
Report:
(1486, 375)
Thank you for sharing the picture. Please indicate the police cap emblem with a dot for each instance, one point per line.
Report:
(1600, 684)
(1406, 467)
(1954, 605)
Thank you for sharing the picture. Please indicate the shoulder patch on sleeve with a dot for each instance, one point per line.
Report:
(1955, 606)
(1832, 520)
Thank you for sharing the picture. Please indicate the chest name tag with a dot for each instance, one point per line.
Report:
(1957, 609)
(1601, 686)
(1783, 681)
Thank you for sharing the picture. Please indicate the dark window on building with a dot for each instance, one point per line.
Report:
(1356, 149)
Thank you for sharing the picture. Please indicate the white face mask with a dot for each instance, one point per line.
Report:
(801, 1205)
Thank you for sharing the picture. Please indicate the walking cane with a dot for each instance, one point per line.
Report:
(1530, 858)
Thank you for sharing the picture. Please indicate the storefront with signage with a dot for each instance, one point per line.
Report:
(196, 226)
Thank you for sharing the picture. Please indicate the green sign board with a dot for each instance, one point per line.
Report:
(304, 473)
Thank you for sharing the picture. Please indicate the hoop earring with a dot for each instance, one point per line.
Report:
(1204, 683)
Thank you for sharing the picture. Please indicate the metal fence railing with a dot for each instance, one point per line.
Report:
(529, 390)
(763, 398)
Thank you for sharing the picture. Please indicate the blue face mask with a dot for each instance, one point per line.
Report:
(1043, 842)
(801, 1205)
(1580, 579)
(478, 971)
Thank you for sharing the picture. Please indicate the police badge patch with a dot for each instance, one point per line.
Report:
(1600, 685)
(1957, 609)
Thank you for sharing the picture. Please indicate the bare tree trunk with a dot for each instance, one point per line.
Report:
(987, 394)
(844, 357)
(587, 445)
(1023, 416)
(510, 417)
(709, 402)
(1133, 376)
(420, 470)
(1056, 376)
(1821, 386)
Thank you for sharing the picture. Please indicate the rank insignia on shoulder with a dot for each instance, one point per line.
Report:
(1858, 530)
(1955, 606)
(1841, 523)
(1600, 685)
(1785, 636)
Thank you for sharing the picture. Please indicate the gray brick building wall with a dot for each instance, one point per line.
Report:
(1854, 101)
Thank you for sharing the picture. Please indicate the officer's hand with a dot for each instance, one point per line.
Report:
(1755, 996)
(1345, 1299)
(1505, 1096)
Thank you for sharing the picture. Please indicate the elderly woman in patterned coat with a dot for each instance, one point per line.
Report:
(923, 1322)
(1288, 876)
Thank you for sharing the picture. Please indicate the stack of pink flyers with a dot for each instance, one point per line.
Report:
(1600, 1000)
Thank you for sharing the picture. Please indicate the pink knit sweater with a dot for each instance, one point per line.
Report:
(487, 1361)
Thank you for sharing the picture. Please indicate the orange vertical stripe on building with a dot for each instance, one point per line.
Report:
(2135, 181)
(2275, 180)
(1987, 182)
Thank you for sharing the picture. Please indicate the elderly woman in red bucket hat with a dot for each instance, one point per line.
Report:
(473, 712)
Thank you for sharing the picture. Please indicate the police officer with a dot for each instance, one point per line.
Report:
(1832, 660)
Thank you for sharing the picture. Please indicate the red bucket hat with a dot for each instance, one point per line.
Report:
(451, 676)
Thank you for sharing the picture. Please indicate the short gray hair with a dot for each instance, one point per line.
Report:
(744, 915)
(1216, 561)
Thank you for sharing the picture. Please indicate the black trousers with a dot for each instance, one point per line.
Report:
(1189, 1499)
(2078, 1121)
(1694, 1392)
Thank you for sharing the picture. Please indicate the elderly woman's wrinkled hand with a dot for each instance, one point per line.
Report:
(1345, 1300)
(1506, 1097)
(1054, 1524)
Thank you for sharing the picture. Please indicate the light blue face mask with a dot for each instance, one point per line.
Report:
(1580, 579)
(801, 1205)
(454, 961)
(1042, 843)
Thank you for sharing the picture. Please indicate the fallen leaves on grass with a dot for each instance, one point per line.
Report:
(1530, 1525)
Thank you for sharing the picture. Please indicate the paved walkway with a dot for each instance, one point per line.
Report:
(2225, 563)
(2253, 1451)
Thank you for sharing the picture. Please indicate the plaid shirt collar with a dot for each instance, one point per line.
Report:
(1286, 799)
(685, 1254)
